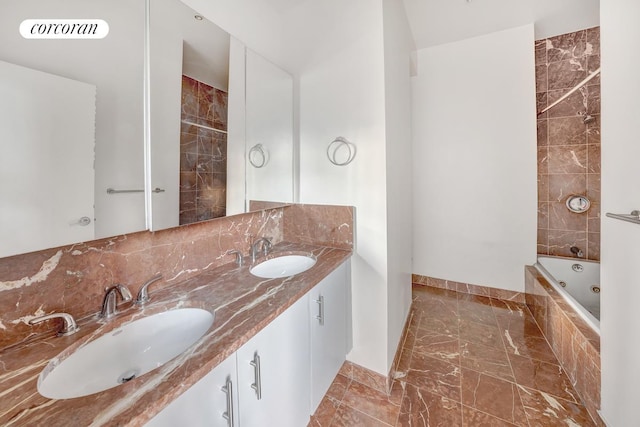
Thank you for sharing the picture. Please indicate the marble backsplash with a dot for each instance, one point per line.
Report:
(73, 278)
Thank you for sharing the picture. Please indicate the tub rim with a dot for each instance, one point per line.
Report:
(584, 314)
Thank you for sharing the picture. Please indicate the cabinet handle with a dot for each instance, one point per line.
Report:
(257, 385)
(320, 316)
(228, 415)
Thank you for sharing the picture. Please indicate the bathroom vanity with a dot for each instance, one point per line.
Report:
(274, 375)
(251, 317)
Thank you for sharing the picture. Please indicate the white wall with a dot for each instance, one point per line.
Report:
(439, 21)
(474, 160)
(342, 94)
(336, 51)
(620, 247)
(398, 46)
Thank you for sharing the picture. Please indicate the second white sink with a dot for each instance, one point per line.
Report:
(283, 266)
(124, 353)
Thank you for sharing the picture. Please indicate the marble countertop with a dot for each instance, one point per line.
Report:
(243, 305)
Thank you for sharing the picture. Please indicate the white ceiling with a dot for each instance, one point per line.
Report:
(436, 22)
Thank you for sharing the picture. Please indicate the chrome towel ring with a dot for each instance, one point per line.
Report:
(337, 145)
(257, 156)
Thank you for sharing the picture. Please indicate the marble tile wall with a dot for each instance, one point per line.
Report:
(568, 149)
(203, 152)
(575, 344)
(468, 288)
(73, 278)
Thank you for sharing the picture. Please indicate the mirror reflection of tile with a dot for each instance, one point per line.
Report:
(203, 152)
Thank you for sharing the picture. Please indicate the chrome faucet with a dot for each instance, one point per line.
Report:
(143, 293)
(69, 326)
(576, 251)
(255, 248)
(109, 302)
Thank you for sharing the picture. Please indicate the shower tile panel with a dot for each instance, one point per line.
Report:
(566, 73)
(189, 98)
(543, 241)
(593, 218)
(541, 104)
(567, 46)
(593, 41)
(561, 218)
(568, 149)
(593, 63)
(560, 242)
(541, 78)
(567, 159)
(543, 160)
(567, 131)
(562, 186)
(543, 188)
(543, 129)
(203, 151)
(593, 245)
(593, 99)
(541, 52)
(574, 105)
(593, 130)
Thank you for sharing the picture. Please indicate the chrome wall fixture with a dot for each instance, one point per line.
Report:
(257, 156)
(578, 204)
(113, 191)
(633, 217)
(337, 145)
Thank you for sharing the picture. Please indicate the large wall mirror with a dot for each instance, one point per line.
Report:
(71, 126)
(221, 121)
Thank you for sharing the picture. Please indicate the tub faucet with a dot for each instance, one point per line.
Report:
(255, 247)
(109, 302)
(576, 251)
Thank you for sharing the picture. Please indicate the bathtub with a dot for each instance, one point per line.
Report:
(578, 281)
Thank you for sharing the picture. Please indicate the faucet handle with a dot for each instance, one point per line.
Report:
(266, 245)
(238, 254)
(109, 303)
(143, 294)
(69, 326)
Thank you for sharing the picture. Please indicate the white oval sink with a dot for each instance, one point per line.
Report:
(124, 353)
(283, 266)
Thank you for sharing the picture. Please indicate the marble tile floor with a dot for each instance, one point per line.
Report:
(466, 361)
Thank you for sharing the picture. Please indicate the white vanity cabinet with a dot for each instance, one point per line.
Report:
(328, 307)
(273, 372)
(212, 401)
(280, 375)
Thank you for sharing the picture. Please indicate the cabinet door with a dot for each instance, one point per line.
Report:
(329, 331)
(205, 403)
(275, 392)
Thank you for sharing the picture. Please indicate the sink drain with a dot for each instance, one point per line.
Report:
(128, 376)
(595, 289)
